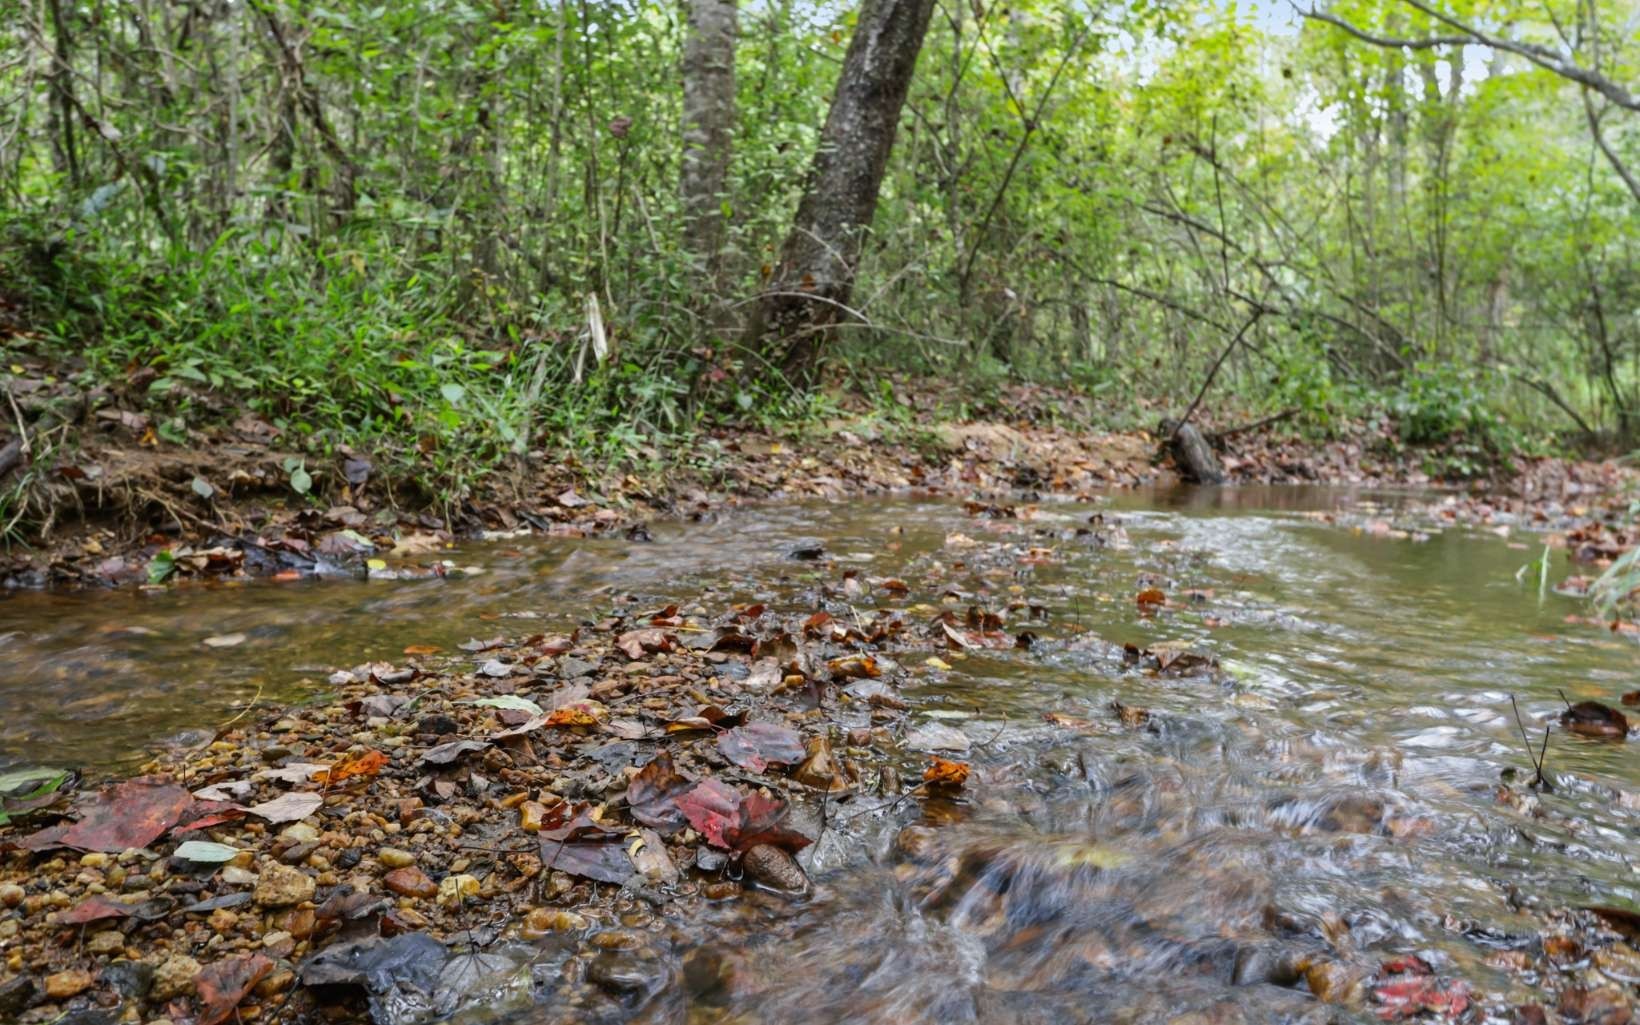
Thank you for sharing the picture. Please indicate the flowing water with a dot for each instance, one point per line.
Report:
(1337, 777)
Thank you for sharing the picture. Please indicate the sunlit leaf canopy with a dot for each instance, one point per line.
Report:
(382, 221)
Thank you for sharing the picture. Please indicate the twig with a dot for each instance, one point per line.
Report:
(1538, 779)
(1286, 414)
(1213, 372)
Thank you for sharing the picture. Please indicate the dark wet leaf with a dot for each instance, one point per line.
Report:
(447, 754)
(227, 900)
(652, 794)
(398, 975)
(1593, 719)
(571, 841)
(756, 745)
(1625, 921)
(764, 820)
(223, 984)
(132, 814)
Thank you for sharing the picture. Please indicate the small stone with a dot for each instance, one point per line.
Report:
(233, 875)
(1334, 982)
(455, 889)
(105, 942)
(410, 882)
(721, 890)
(128, 978)
(222, 920)
(280, 886)
(274, 939)
(11, 895)
(276, 983)
(66, 984)
(300, 923)
(393, 857)
(616, 939)
(530, 816)
(95, 859)
(174, 978)
(300, 832)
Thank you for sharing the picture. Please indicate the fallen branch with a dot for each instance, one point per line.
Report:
(1218, 436)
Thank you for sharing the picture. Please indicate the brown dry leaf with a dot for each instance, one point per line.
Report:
(223, 984)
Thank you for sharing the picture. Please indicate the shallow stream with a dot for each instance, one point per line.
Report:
(1342, 768)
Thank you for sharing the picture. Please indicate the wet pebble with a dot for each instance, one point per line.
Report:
(174, 977)
(774, 869)
(410, 882)
(393, 857)
(63, 985)
(279, 886)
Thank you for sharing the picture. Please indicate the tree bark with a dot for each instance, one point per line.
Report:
(809, 292)
(708, 134)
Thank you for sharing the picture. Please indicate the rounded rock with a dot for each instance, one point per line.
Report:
(280, 886)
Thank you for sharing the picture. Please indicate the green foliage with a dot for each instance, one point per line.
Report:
(391, 247)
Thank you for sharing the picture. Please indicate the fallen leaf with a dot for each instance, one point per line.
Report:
(94, 909)
(1593, 719)
(132, 814)
(652, 794)
(713, 809)
(944, 773)
(634, 643)
(756, 745)
(289, 807)
(571, 841)
(368, 764)
(509, 701)
(446, 754)
(205, 852)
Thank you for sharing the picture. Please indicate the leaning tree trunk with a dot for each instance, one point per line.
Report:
(708, 134)
(809, 291)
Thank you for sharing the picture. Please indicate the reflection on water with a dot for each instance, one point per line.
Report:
(1342, 769)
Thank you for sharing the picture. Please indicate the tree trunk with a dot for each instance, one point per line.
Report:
(708, 134)
(809, 291)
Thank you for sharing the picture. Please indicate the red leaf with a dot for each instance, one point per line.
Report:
(713, 809)
(223, 984)
(762, 821)
(133, 814)
(93, 909)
